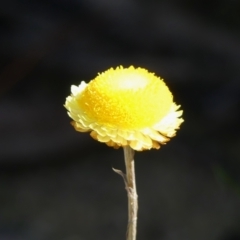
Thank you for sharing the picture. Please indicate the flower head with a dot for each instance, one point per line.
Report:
(125, 106)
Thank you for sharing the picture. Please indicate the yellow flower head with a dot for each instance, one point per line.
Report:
(125, 106)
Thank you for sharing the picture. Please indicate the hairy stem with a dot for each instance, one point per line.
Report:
(132, 193)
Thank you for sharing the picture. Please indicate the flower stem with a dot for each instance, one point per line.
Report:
(132, 193)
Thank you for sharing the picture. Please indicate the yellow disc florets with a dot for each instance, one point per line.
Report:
(126, 98)
(125, 106)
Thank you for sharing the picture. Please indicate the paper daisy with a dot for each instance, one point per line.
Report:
(130, 108)
(125, 107)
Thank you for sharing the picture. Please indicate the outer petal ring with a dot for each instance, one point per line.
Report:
(138, 139)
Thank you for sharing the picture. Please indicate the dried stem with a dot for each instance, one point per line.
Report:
(132, 193)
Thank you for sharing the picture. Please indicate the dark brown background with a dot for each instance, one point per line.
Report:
(57, 184)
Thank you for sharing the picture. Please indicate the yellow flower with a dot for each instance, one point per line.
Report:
(125, 106)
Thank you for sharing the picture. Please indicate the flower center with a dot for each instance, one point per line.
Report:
(126, 98)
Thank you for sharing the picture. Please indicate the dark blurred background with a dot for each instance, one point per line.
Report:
(57, 184)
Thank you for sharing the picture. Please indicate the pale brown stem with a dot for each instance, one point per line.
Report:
(132, 193)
